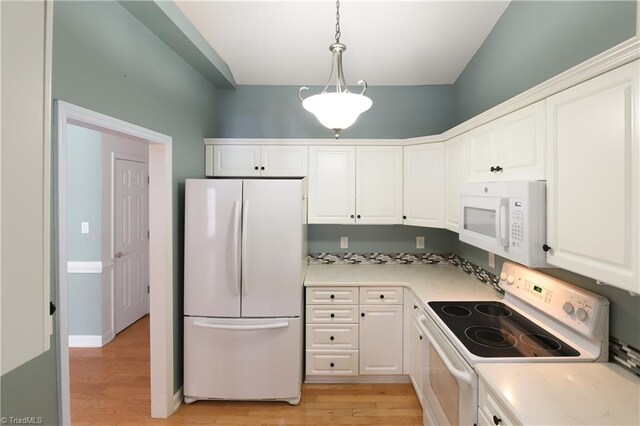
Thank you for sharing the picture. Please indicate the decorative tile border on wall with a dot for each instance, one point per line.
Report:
(378, 258)
(624, 355)
(476, 272)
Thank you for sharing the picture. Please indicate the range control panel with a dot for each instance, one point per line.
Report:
(576, 307)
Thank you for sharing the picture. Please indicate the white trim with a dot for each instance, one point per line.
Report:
(614, 57)
(84, 267)
(391, 378)
(177, 398)
(160, 254)
(85, 341)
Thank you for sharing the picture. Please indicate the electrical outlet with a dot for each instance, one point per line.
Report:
(492, 260)
(344, 242)
(84, 227)
(419, 242)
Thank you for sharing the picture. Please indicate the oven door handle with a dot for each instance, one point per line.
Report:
(463, 376)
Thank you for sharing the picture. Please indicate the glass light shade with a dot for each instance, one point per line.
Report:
(337, 111)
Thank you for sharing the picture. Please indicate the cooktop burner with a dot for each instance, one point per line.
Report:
(493, 330)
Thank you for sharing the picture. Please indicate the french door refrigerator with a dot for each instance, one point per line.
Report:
(245, 260)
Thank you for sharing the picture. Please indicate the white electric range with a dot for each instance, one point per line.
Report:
(540, 319)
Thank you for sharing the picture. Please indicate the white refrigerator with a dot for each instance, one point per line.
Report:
(245, 260)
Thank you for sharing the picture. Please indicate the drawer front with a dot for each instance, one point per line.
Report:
(332, 295)
(339, 363)
(332, 337)
(382, 295)
(490, 407)
(327, 314)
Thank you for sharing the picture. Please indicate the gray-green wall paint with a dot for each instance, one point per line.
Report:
(276, 112)
(535, 40)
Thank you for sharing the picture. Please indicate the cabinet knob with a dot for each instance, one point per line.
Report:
(332, 296)
(415, 306)
(404, 217)
(332, 365)
(358, 216)
(421, 337)
(333, 315)
(497, 420)
(382, 296)
(256, 167)
(498, 169)
(331, 338)
(546, 248)
(493, 169)
(362, 314)
(262, 168)
(52, 308)
(352, 216)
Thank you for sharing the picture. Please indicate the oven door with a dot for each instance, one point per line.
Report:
(484, 222)
(449, 384)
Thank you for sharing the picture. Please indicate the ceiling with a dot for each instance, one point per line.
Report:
(389, 43)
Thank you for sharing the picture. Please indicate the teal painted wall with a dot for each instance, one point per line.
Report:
(379, 239)
(535, 40)
(276, 112)
(85, 304)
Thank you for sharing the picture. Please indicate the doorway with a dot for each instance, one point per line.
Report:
(160, 250)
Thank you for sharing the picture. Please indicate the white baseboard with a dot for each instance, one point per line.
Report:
(107, 337)
(85, 341)
(391, 378)
(177, 398)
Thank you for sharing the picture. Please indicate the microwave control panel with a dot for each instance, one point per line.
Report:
(517, 216)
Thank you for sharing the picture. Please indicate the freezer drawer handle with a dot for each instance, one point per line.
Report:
(242, 327)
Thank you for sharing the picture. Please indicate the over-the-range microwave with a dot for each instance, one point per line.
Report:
(506, 218)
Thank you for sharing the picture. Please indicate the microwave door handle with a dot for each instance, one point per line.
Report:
(503, 223)
(463, 376)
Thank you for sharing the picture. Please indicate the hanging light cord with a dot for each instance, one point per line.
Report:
(338, 21)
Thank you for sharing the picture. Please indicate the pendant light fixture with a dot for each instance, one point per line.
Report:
(337, 109)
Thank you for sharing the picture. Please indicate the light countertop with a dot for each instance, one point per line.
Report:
(428, 282)
(565, 393)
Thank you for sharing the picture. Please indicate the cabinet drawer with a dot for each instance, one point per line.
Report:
(337, 314)
(490, 407)
(338, 363)
(332, 337)
(386, 295)
(332, 295)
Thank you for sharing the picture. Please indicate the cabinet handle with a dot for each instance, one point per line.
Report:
(333, 315)
(497, 420)
(256, 167)
(52, 308)
(404, 217)
(358, 216)
(362, 314)
(546, 248)
(382, 296)
(352, 216)
(262, 168)
(331, 338)
(332, 364)
(332, 296)
(493, 169)
(498, 169)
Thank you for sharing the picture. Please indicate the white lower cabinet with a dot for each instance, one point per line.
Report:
(490, 411)
(362, 338)
(412, 344)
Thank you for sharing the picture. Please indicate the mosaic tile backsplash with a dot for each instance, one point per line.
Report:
(619, 352)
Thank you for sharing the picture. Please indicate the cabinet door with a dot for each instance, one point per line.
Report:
(283, 161)
(332, 177)
(522, 144)
(424, 185)
(379, 185)
(380, 339)
(415, 358)
(456, 175)
(483, 153)
(593, 182)
(236, 160)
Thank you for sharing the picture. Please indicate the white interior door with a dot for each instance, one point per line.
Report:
(131, 242)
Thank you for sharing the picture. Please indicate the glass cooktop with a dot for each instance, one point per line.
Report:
(492, 330)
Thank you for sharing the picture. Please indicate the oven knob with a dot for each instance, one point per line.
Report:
(567, 307)
(503, 276)
(582, 314)
(511, 279)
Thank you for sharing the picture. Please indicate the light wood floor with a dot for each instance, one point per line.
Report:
(110, 386)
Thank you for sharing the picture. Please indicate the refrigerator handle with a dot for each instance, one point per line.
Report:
(236, 244)
(242, 327)
(245, 261)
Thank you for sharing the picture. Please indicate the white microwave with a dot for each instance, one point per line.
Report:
(506, 218)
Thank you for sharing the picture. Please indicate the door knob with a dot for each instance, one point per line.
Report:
(119, 255)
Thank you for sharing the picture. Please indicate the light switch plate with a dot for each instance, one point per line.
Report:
(84, 227)
(344, 242)
(419, 242)
(492, 260)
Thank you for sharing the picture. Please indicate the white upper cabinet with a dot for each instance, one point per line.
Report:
(424, 185)
(379, 184)
(350, 184)
(456, 174)
(509, 148)
(593, 184)
(332, 184)
(253, 160)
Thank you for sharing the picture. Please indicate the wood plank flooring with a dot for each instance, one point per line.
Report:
(110, 386)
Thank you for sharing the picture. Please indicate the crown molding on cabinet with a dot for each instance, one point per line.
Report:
(614, 57)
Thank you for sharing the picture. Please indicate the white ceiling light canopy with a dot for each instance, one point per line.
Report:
(337, 109)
